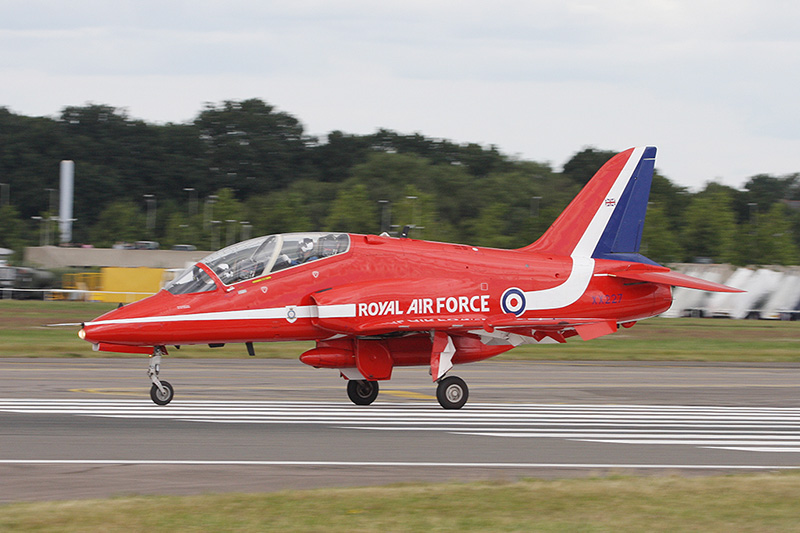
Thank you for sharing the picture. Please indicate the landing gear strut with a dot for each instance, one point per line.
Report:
(361, 391)
(161, 392)
(452, 392)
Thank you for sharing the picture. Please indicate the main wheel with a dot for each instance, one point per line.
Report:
(162, 398)
(361, 391)
(452, 392)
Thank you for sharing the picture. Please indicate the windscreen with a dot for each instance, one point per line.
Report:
(191, 280)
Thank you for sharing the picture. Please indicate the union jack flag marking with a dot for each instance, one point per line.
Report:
(611, 202)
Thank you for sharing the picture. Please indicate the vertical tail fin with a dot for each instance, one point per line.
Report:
(605, 220)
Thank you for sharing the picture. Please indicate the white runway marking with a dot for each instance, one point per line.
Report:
(757, 429)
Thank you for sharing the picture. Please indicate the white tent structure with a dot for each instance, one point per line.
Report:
(783, 301)
(692, 302)
(722, 304)
(759, 288)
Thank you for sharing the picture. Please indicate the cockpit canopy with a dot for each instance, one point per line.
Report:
(260, 256)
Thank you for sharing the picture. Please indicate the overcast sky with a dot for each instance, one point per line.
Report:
(713, 84)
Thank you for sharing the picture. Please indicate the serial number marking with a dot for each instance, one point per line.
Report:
(607, 299)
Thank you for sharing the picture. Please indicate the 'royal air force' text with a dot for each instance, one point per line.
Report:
(427, 306)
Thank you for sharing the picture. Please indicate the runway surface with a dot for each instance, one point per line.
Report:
(86, 428)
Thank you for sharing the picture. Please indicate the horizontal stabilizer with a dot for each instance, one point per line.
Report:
(674, 279)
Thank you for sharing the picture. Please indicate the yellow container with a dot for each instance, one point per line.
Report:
(125, 285)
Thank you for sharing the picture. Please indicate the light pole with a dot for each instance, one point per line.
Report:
(215, 230)
(385, 213)
(151, 213)
(413, 210)
(48, 231)
(192, 200)
(535, 206)
(246, 228)
(753, 208)
(42, 222)
(208, 210)
(231, 231)
(52, 193)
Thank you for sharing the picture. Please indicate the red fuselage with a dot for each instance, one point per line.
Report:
(379, 286)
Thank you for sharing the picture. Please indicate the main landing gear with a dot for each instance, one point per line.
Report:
(361, 391)
(452, 392)
(161, 392)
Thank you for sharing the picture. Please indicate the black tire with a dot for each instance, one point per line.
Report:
(452, 392)
(361, 391)
(162, 398)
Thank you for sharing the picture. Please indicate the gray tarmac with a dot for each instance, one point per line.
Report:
(85, 428)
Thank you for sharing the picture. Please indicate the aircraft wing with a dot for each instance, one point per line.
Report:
(556, 328)
(587, 328)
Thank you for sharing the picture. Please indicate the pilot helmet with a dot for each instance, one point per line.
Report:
(306, 245)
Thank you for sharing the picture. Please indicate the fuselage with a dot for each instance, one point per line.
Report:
(376, 285)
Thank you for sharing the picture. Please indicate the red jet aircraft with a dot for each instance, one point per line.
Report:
(372, 303)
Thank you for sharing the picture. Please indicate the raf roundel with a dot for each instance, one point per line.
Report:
(513, 301)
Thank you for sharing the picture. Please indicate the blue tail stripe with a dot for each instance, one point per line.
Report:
(623, 233)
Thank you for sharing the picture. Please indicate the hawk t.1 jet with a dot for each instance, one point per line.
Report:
(375, 302)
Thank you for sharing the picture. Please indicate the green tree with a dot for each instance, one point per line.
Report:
(583, 165)
(765, 190)
(11, 230)
(283, 211)
(478, 161)
(769, 238)
(336, 158)
(533, 195)
(178, 230)
(490, 228)
(672, 198)
(353, 211)
(252, 148)
(659, 240)
(224, 225)
(386, 175)
(120, 221)
(710, 229)
(417, 210)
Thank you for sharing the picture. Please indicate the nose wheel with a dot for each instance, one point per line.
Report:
(163, 395)
(452, 392)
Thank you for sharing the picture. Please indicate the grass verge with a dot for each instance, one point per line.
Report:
(764, 502)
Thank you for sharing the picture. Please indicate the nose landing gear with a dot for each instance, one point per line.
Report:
(161, 392)
(163, 395)
(452, 392)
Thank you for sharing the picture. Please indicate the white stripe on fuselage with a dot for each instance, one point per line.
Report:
(565, 294)
(300, 311)
(573, 288)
